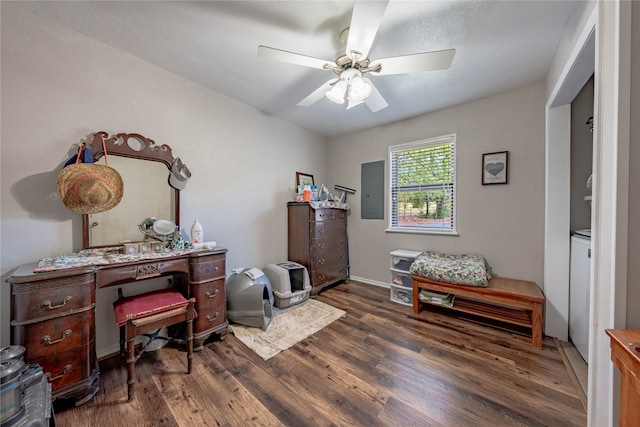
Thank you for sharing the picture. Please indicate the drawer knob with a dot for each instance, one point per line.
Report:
(47, 338)
(211, 319)
(321, 246)
(321, 261)
(47, 303)
(66, 369)
(215, 294)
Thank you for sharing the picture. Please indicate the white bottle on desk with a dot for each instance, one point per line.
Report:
(197, 234)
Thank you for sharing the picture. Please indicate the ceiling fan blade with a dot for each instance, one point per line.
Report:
(317, 94)
(426, 61)
(365, 21)
(352, 104)
(375, 101)
(291, 57)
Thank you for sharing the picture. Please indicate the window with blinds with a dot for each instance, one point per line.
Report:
(422, 185)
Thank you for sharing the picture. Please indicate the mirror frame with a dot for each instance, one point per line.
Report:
(118, 145)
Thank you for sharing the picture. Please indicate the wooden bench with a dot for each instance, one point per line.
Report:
(517, 302)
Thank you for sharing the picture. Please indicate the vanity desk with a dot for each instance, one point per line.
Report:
(53, 312)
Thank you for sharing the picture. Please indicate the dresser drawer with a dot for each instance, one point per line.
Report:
(328, 260)
(207, 268)
(328, 230)
(328, 274)
(49, 298)
(325, 247)
(66, 368)
(328, 215)
(55, 335)
(147, 270)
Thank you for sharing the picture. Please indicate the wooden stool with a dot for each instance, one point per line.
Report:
(146, 314)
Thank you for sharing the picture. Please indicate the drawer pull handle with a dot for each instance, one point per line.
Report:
(320, 230)
(211, 319)
(321, 277)
(215, 294)
(66, 369)
(47, 338)
(47, 303)
(321, 246)
(321, 261)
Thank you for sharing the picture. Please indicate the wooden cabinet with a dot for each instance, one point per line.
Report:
(53, 313)
(625, 354)
(206, 284)
(53, 318)
(318, 240)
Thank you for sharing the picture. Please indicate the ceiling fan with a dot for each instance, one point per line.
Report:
(352, 61)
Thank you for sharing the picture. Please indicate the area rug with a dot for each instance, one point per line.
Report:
(288, 327)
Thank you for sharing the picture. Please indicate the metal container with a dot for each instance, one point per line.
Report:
(10, 388)
(12, 352)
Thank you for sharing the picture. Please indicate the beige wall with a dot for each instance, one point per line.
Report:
(504, 223)
(58, 86)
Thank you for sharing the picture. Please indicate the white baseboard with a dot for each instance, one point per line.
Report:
(370, 282)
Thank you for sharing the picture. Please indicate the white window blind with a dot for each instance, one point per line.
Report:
(422, 185)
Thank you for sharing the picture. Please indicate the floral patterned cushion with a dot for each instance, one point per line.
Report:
(469, 270)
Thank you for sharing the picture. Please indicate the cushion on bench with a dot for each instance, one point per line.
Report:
(471, 270)
(147, 304)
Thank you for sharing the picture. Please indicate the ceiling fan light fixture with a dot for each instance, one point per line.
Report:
(336, 93)
(359, 89)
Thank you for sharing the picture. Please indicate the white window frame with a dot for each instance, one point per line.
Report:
(439, 140)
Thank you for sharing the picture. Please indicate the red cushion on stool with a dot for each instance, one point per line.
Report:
(146, 304)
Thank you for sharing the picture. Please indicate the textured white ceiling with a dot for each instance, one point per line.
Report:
(500, 46)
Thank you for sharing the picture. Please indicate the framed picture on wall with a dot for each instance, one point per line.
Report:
(495, 168)
(304, 179)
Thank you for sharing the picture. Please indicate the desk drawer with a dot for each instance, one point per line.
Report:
(49, 298)
(48, 337)
(65, 368)
(208, 293)
(207, 268)
(211, 304)
(147, 270)
(210, 317)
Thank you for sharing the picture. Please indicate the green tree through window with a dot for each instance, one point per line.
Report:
(422, 185)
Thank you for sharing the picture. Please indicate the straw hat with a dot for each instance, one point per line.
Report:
(89, 188)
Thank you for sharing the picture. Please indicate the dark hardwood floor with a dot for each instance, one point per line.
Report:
(378, 366)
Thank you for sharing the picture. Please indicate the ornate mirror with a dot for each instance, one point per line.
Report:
(151, 177)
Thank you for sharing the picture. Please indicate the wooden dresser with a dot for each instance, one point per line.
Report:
(318, 240)
(625, 354)
(53, 313)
